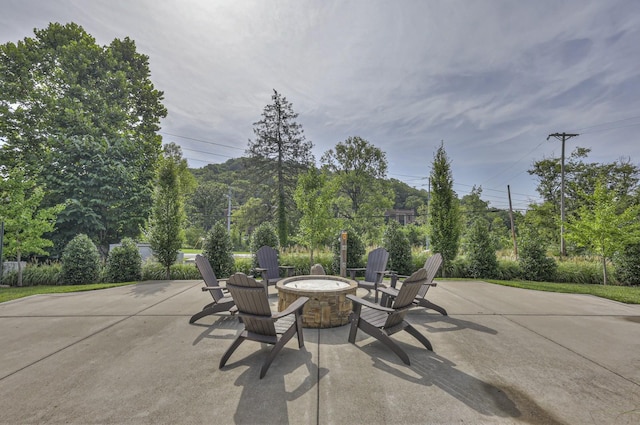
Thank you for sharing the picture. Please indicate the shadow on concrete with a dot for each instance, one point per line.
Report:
(450, 324)
(250, 410)
(226, 322)
(483, 397)
(144, 289)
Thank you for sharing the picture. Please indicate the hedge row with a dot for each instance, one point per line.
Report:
(568, 271)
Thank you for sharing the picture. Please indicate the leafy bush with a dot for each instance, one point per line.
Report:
(578, 271)
(301, 262)
(218, 249)
(481, 253)
(152, 270)
(80, 261)
(355, 251)
(395, 241)
(36, 274)
(124, 263)
(627, 265)
(263, 235)
(533, 260)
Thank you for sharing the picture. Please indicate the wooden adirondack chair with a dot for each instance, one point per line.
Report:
(374, 272)
(260, 324)
(382, 322)
(432, 265)
(269, 267)
(221, 301)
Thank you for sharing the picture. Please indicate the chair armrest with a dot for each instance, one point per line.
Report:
(369, 304)
(293, 307)
(392, 292)
(260, 269)
(211, 288)
(353, 270)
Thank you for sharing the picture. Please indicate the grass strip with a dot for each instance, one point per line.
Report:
(13, 293)
(625, 294)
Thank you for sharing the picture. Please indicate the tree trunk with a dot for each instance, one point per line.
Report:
(604, 269)
(19, 257)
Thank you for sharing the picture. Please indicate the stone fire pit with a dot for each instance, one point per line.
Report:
(328, 305)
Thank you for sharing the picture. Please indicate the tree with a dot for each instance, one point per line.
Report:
(444, 210)
(165, 230)
(600, 227)
(281, 150)
(64, 102)
(218, 249)
(208, 204)
(24, 220)
(363, 197)
(481, 252)
(399, 248)
(313, 199)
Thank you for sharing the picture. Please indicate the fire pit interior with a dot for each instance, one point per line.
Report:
(328, 305)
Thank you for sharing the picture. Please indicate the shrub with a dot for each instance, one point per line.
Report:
(395, 241)
(627, 265)
(355, 251)
(481, 252)
(124, 263)
(302, 263)
(264, 234)
(36, 274)
(80, 261)
(152, 270)
(218, 249)
(533, 260)
(578, 271)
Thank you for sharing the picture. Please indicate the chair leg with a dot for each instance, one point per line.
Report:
(428, 304)
(275, 350)
(417, 335)
(354, 318)
(384, 338)
(299, 330)
(239, 340)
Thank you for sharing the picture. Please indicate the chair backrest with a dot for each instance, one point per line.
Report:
(376, 261)
(432, 265)
(404, 299)
(209, 277)
(252, 303)
(268, 259)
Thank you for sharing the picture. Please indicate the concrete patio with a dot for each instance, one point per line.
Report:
(503, 355)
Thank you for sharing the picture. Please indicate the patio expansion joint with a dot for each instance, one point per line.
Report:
(124, 317)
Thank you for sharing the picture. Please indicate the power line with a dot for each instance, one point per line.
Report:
(609, 123)
(201, 140)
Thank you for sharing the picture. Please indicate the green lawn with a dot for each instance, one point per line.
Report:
(8, 294)
(625, 294)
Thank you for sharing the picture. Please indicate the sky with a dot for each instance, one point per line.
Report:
(489, 79)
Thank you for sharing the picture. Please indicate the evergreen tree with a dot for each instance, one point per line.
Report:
(397, 243)
(218, 249)
(165, 231)
(444, 210)
(282, 152)
(481, 252)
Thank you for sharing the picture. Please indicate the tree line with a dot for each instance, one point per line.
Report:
(81, 154)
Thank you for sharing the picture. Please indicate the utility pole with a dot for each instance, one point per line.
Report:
(563, 137)
(229, 212)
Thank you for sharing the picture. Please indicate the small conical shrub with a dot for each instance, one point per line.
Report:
(80, 261)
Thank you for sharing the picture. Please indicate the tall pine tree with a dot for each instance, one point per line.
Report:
(282, 152)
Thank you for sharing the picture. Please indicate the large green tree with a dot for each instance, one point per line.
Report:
(602, 226)
(68, 105)
(282, 152)
(313, 198)
(24, 220)
(359, 170)
(444, 209)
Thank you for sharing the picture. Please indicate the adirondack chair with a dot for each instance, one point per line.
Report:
(269, 267)
(432, 265)
(221, 301)
(260, 324)
(374, 272)
(381, 322)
